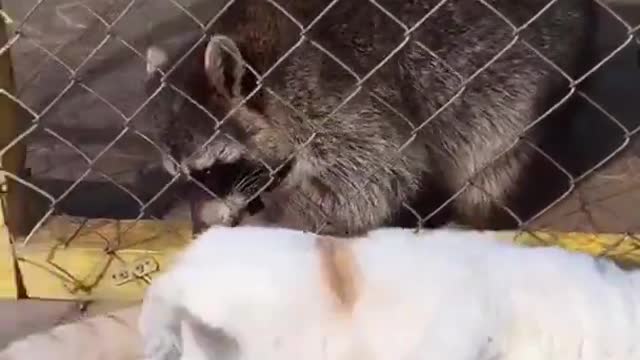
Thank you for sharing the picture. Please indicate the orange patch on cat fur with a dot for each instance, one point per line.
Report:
(339, 269)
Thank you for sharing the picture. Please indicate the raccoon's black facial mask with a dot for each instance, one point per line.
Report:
(226, 179)
(243, 177)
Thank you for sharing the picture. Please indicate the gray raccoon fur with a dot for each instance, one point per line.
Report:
(361, 166)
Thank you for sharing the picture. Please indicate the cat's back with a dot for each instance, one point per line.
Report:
(246, 246)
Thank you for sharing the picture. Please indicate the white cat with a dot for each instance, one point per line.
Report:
(250, 293)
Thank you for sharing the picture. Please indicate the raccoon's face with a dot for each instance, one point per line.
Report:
(232, 193)
(202, 111)
(208, 131)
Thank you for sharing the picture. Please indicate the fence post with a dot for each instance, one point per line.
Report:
(11, 202)
(10, 127)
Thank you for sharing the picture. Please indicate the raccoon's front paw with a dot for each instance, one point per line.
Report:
(208, 213)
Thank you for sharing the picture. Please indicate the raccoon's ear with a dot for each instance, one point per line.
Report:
(224, 65)
(156, 58)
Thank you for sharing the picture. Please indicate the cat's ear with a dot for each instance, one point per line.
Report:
(224, 65)
(156, 59)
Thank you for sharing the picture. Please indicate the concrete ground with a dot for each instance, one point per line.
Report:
(605, 202)
(24, 317)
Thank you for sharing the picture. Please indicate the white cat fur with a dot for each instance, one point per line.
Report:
(391, 295)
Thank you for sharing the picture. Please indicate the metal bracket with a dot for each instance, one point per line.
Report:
(135, 270)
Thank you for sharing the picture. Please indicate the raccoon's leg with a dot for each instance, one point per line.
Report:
(277, 209)
(514, 189)
(487, 202)
(426, 209)
(327, 215)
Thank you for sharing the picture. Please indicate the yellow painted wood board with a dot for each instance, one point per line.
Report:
(10, 160)
(80, 260)
(8, 284)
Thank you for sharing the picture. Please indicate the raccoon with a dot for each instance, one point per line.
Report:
(385, 113)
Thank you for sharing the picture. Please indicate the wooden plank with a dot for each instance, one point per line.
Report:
(11, 161)
(10, 127)
(624, 249)
(73, 260)
(8, 283)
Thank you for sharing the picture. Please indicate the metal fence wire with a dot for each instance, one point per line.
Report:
(90, 97)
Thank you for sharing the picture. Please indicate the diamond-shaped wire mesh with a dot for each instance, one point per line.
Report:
(318, 115)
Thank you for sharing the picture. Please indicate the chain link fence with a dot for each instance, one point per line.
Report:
(84, 150)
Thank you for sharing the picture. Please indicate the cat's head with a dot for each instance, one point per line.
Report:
(208, 109)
